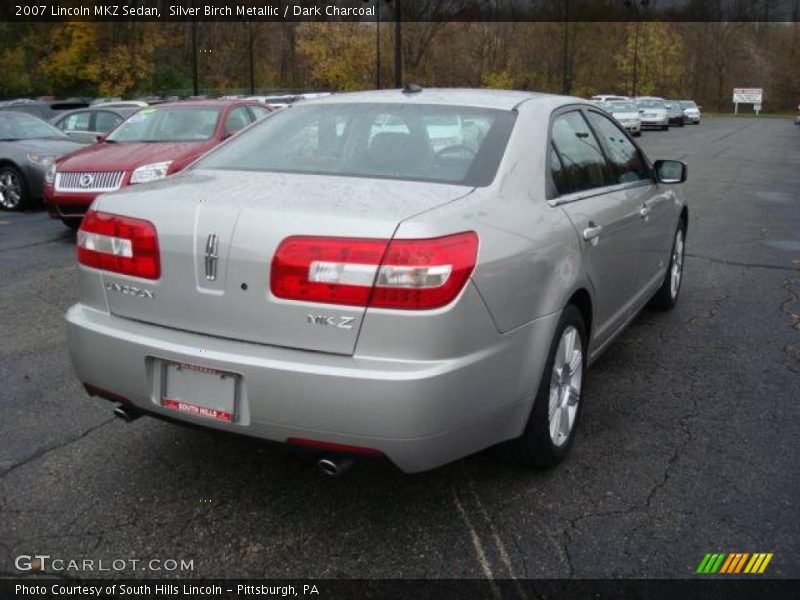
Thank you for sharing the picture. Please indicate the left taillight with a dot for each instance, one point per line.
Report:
(119, 244)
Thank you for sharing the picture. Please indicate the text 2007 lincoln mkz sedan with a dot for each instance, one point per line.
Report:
(338, 277)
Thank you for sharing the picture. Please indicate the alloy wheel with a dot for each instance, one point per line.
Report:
(676, 267)
(565, 385)
(10, 190)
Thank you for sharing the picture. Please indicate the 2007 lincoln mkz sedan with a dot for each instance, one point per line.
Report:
(417, 274)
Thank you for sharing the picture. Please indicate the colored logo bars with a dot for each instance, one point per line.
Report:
(736, 562)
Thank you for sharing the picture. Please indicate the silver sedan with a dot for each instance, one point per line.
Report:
(415, 274)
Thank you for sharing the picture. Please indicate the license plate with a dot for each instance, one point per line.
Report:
(199, 391)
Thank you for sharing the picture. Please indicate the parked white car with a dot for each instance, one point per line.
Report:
(627, 113)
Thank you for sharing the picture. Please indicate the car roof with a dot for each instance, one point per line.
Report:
(208, 102)
(480, 98)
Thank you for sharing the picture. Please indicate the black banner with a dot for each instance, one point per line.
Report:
(733, 588)
(407, 10)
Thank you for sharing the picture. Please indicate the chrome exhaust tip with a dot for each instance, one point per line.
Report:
(129, 415)
(334, 466)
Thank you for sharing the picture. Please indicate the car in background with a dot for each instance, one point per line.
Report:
(348, 289)
(608, 98)
(28, 146)
(797, 116)
(86, 124)
(44, 110)
(675, 113)
(152, 143)
(627, 114)
(35, 108)
(653, 111)
(691, 111)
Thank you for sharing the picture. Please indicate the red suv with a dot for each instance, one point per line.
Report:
(151, 144)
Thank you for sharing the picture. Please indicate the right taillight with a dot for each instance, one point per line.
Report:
(119, 244)
(401, 274)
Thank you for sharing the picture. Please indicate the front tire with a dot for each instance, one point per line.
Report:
(13, 189)
(667, 295)
(550, 430)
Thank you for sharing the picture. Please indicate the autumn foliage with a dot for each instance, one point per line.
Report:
(703, 61)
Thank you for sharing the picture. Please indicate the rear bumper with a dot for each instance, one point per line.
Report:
(420, 414)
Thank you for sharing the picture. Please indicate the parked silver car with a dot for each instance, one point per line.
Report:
(327, 283)
(28, 146)
(691, 111)
(653, 111)
(86, 124)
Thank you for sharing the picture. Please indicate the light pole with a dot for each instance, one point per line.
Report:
(195, 78)
(250, 52)
(398, 46)
(378, 45)
(633, 4)
(566, 83)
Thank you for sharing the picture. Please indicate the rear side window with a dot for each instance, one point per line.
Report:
(627, 163)
(583, 165)
(236, 119)
(106, 121)
(259, 112)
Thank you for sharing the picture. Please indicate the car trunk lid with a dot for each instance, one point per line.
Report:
(218, 232)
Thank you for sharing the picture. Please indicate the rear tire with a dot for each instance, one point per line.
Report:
(550, 430)
(667, 295)
(13, 189)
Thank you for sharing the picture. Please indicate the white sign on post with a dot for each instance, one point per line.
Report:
(747, 96)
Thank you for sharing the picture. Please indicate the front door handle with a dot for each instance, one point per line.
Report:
(592, 232)
(644, 212)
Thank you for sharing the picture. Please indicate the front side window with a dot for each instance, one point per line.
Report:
(169, 124)
(436, 143)
(584, 166)
(626, 160)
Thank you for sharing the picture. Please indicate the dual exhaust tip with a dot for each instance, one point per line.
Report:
(331, 465)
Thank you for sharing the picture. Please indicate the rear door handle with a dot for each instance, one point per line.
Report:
(592, 232)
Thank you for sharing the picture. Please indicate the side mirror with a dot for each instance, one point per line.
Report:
(100, 138)
(670, 171)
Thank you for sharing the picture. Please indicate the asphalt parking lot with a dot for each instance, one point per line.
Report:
(689, 441)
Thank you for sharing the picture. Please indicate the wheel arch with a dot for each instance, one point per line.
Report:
(582, 300)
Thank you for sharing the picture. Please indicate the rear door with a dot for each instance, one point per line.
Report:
(605, 215)
(631, 170)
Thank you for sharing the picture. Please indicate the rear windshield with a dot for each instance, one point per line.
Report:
(621, 107)
(174, 124)
(445, 144)
(650, 103)
(20, 126)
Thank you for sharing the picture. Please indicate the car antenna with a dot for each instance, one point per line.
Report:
(412, 88)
